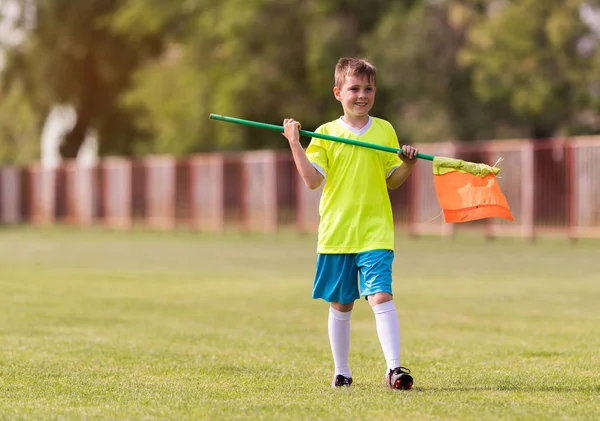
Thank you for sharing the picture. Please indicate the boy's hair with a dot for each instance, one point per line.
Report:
(353, 67)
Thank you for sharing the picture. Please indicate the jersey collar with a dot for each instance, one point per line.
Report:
(353, 130)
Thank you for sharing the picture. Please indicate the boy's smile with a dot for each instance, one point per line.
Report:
(357, 96)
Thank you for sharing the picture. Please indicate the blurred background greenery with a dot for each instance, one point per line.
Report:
(145, 74)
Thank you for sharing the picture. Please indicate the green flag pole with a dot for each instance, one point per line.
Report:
(312, 134)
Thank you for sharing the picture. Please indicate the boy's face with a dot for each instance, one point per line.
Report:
(357, 95)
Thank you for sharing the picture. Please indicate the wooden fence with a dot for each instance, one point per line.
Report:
(553, 188)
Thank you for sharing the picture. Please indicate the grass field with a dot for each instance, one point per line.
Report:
(182, 326)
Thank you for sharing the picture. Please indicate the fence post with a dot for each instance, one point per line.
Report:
(115, 194)
(259, 191)
(307, 206)
(206, 192)
(42, 191)
(80, 194)
(572, 193)
(528, 190)
(413, 206)
(160, 192)
(10, 195)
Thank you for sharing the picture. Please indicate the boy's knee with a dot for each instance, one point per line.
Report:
(379, 298)
(344, 308)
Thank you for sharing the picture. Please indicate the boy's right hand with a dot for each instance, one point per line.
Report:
(290, 130)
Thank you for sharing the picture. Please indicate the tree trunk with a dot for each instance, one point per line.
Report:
(88, 91)
(74, 139)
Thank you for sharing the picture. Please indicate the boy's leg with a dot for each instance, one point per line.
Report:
(388, 331)
(339, 339)
(335, 282)
(376, 284)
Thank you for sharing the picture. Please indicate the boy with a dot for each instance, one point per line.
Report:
(356, 231)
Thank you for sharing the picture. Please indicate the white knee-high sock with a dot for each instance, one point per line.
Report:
(388, 330)
(339, 338)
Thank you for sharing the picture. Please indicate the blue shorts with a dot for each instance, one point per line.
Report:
(339, 276)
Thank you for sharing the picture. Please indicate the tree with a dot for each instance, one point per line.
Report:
(71, 55)
(525, 54)
(19, 128)
(147, 73)
(260, 59)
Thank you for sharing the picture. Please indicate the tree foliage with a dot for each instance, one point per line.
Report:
(71, 55)
(147, 73)
(525, 54)
(19, 128)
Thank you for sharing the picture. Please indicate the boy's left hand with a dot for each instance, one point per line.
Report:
(410, 154)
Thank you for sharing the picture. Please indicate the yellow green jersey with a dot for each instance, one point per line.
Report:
(355, 208)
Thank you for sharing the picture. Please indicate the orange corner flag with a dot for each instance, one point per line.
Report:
(468, 191)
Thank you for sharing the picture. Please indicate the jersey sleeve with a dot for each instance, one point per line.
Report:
(394, 160)
(317, 153)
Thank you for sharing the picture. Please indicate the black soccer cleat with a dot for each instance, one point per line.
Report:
(399, 378)
(341, 381)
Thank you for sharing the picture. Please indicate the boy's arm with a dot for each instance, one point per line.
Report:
(400, 174)
(311, 177)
